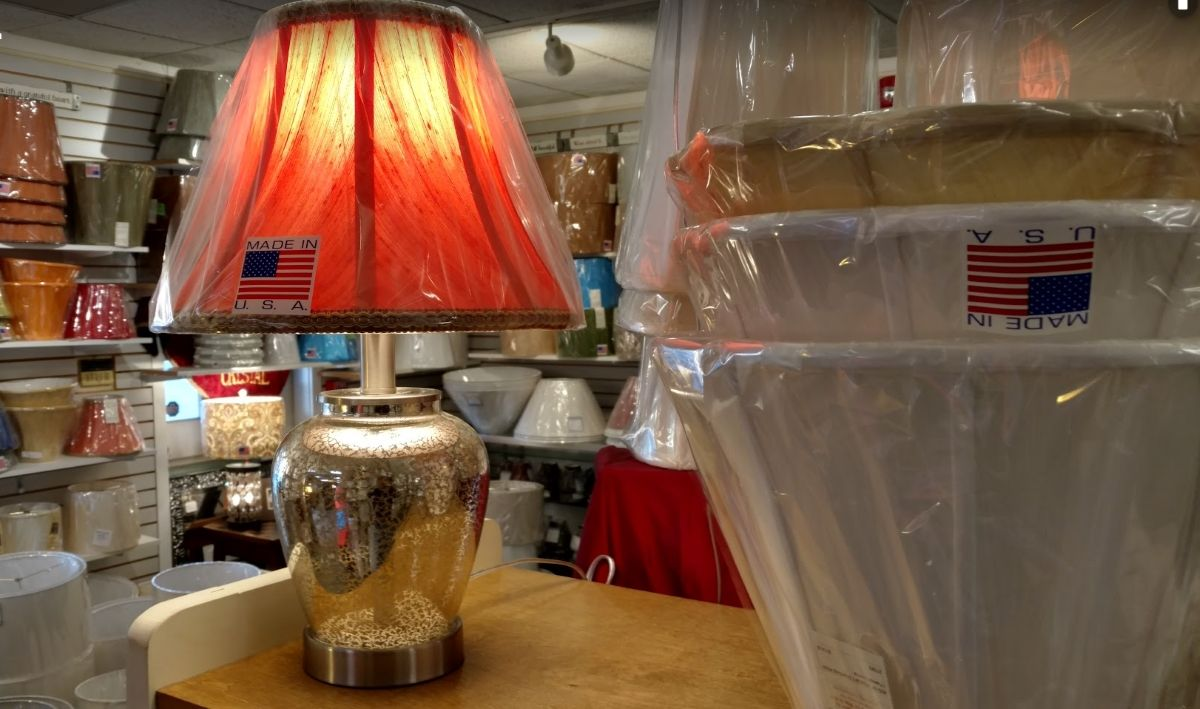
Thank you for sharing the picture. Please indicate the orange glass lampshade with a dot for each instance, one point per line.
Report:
(368, 173)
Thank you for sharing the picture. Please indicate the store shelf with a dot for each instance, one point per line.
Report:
(75, 344)
(585, 448)
(501, 357)
(162, 375)
(74, 248)
(67, 462)
(177, 165)
(146, 546)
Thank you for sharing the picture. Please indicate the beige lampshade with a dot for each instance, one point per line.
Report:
(242, 426)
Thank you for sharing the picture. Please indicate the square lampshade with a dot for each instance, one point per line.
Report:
(368, 173)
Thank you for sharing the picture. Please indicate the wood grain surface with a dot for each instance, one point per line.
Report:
(535, 640)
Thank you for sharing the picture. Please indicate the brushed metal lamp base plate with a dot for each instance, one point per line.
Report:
(394, 667)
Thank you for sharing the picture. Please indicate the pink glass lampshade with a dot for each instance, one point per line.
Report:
(368, 173)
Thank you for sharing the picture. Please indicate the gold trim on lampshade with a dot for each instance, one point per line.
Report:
(242, 426)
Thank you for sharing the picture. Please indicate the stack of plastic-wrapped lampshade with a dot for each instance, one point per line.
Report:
(46, 303)
(188, 112)
(32, 198)
(939, 349)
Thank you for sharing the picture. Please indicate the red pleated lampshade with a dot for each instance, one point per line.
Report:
(368, 173)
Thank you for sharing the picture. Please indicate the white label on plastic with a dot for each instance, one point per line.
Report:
(152, 213)
(851, 678)
(601, 319)
(575, 542)
(612, 193)
(551, 535)
(91, 170)
(121, 234)
(191, 507)
(172, 125)
(1029, 278)
(6, 188)
(112, 411)
(277, 275)
(595, 298)
(574, 424)
(600, 140)
(102, 538)
(31, 455)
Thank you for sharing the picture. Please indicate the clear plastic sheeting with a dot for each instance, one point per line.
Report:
(1067, 271)
(1047, 151)
(975, 525)
(722, 61)
(655, 434)
(982, 51)
(429, 214)
(647, 312)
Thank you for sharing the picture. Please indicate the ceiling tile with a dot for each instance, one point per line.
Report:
(66, 7)
(513, 10)
(14, 18)
(77, 33)
(526, 94)
(629, 39)
(211, 58)
(197, 21)
(481, 16)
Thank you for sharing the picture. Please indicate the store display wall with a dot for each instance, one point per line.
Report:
(119, 103)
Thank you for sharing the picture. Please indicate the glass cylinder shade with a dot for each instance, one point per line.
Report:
(379, 501)
(243, 493)
(367, 173)
(242, 426)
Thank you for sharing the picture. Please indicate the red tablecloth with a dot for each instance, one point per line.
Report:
(656, 524)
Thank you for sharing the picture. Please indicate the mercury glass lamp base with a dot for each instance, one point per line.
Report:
(394, 667)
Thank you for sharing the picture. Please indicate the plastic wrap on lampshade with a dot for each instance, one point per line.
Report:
(29, 213)
(43, 391)
(30, 526)
(651, 313)
(918, 506)
(281, 349)
(107, 427)
(58, 683)
(328, 348)
(30, 139)
(32, 233)
(622, 412)
(110, 201)
(44, 430)
(1042, 271)
(1030, 151)
(181, 147)
(583, 187)
(432, 215)
(17, 190)
(28, 270)
(528, 343)
(39, 310)
(654, 434)
(102, 517)
(45, 626)
(516, 505)
(98, 313)
(110, 623)
(718, 62)
(1085, 50)
(431, 350)
(627, 345)
(191, 103)
(242, 426)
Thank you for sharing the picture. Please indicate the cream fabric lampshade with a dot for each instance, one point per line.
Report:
(242, 426)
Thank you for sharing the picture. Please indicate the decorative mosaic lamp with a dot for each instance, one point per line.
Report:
(368, 173)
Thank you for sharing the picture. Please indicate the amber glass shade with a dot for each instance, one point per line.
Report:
(368, 173)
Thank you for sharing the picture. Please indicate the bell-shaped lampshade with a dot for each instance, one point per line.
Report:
(368, 173)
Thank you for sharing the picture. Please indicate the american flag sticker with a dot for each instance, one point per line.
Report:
(277, 275)
(1030, 281)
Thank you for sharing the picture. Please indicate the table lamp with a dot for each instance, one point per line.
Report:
(368, 174)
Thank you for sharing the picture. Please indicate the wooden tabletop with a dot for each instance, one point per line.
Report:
(535, 640)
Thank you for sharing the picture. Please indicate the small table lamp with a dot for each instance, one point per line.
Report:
(368, 173)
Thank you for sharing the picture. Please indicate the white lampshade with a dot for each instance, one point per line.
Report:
(102, 517)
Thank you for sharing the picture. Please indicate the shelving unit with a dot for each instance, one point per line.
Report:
(66, 462)
(588, 448)
(163, 375)
(18, 345)
(146, 544)
(95, 250)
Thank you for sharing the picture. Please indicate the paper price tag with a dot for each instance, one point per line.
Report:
(91, 170)
(612, 193)
(574, 424)
(121, 234)
(112, 411)
(851, 677)
(31, 455)
(102, 538)
(595, 298)
(191, 507)
(601, 319)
